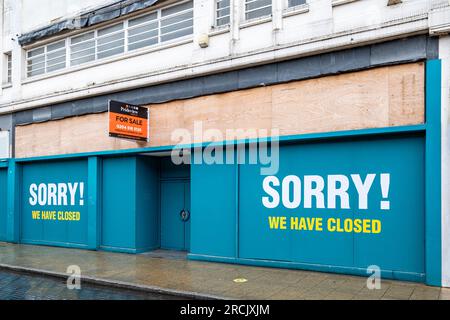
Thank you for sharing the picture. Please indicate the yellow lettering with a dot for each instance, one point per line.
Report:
(376, 226)
(283, 223)
(294, 223)
(274, 222)
(331, 224)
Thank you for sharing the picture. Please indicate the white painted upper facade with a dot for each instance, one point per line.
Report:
(314, 27)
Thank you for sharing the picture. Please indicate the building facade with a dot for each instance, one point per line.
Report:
(314, 132)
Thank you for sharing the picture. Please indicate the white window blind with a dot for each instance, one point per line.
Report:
(143, 31)
(56, 56)
(9, 67)
(82, 48)
(98, 44)
(222, 12)
(46, 59)
(294, 3)
(36, 62)
(177, 21)
(257, 8)
(110, 41)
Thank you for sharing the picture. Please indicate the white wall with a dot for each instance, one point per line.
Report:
(37, 13)
(318, 28)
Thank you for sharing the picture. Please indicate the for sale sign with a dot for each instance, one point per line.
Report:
(128, 121)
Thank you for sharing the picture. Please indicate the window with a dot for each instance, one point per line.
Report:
(110, 41)
(98, 44)
(8, 61)
(294, 3)
(56, 56)
(46, 59)
(177, 21)
(257, 8)
(82, 49)
(222, 12)
(162, 25)
(143, 31)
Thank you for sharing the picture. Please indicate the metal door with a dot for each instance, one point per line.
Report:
(175, 215)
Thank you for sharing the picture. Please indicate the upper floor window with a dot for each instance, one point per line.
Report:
(82, 49)
(222, 12)
(110, 41)
(162, 25)
(46, 59)
(143, 31)
(8, 61)
(177, 21)
(257, 8)
(294, 3)
(98, 44)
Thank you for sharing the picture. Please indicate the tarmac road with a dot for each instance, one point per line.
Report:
(21, 286)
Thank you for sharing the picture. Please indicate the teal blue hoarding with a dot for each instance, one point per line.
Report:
(54, 203)
(3, 203)
(130, 204)
(332, 205)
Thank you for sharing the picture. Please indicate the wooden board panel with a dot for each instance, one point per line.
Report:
(382, 97)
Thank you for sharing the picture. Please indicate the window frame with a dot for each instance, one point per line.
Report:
(126, 28)
(263, 17)
(69, 49)
(59, 49)
(298, 6)
(216, 17)
(95, 39)
(27, 59)
(113, 33)
(45, 56)
(8, 70)
(161, 18)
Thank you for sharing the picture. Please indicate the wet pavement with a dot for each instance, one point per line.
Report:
(197, 279)
(19, 286)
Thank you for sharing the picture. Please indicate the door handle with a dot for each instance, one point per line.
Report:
(185, 215)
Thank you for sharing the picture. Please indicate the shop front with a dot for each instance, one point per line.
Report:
(349, 183)
(341, 206)
(53, 205)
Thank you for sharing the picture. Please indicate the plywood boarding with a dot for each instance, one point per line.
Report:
(382, 97)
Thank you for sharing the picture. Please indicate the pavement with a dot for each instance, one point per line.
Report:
(174, 275)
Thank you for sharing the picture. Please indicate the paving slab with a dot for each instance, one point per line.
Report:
(173, 274)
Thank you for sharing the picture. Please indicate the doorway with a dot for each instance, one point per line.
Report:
(175, 209)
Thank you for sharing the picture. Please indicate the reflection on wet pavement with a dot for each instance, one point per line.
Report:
(15, 286)
(172, 271)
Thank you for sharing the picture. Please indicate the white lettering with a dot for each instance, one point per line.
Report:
(296, 192)
(52, 194)
(268, 181)
(316, 192)
(33, 195)
(340, 191)
(363, 188)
